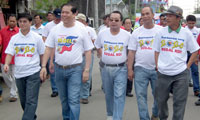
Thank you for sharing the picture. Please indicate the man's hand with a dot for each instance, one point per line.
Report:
(130, 75)
(43, 74)
(51, 67)
(85, 76)
(6, 68)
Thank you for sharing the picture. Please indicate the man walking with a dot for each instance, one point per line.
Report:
(112, 46)
(28, 48)
(171, 46)
(6, 34)
(70, 40)
(142, 55)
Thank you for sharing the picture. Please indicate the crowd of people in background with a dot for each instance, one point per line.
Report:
(164, 56)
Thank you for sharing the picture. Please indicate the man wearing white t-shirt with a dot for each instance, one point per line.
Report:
(85, 87)
(171, 46)
(50, 64)
(112, 46)
(28, 49)
(37, 27)
(191, 21)
(141, 55)
(70, 40)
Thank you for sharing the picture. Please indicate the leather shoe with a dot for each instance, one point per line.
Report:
(54, 94)
(196, 93)
(12, 99)
(197, 103)
(129, 95)
(84, 101)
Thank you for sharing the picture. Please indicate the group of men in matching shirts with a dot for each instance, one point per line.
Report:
(151, 54)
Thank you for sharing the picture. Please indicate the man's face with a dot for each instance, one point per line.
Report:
(50, 17)
(12, 22)
(191, 24)
(172, 20)
(115, 21)
(24, 24)
(37, 20)
(67, 15)
(127, 24)
(147, 15)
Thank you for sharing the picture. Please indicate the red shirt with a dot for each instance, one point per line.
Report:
(198, 41)
(6, 35)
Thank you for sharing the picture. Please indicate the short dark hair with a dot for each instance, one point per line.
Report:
(106, 16)
(191, 18)
(25, 15)
(126, 19)
(11, 15)
(162, 15)
(121, 16)
(38, 15)
(74, 7)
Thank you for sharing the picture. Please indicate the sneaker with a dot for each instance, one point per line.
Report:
(54, 94)
(12, 99)
(154, 118)
(197, 103)
(129, 94)
(196, 93)
(109, 118)
(1, 99)
(84, 101)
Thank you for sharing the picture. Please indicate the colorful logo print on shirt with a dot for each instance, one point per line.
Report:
(145, 43)
(24, 50)
(113, 48)
(171, 44)
(66, 44)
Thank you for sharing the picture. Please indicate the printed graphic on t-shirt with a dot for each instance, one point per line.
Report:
(146, 43)
(24, 49)
(171, 44)
(113, 48)
(66, 43)
(195, 35)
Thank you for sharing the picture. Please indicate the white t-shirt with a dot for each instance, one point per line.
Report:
(195, 31)
(27, 50)
(47, 28)
(173, 49)
(114, 47)
(70, 43)
(39, 30)
(141, 41)
(91, 33)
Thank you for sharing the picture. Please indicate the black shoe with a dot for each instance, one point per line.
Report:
(129, 95)
(190, 85)
(84, 101)
(197, 103)
(54, 94)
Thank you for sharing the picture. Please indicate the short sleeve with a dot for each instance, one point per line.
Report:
(132, 45)
(156, 43)
(50, 41)
(97, 42)
(10, 48)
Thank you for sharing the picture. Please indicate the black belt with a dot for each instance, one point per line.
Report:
(68, 66)
(112, 65)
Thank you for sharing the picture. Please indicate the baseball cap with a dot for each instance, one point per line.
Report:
(57, 13)
(81, 16)
(175, 10)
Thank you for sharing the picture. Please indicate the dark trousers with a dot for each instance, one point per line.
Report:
(129, 86)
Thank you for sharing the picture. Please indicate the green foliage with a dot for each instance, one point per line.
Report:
(43, 6)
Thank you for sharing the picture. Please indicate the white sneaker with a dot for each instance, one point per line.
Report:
(109, 118)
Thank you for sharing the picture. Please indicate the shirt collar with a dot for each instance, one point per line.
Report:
(27, 35)
(15, 28)
(177, 30)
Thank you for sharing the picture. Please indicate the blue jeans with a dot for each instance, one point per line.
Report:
(85, 87)
(141, 81)
(195, 77)
(69, 85)
(53, 79)
(114, 85)
(28, 88)
(1, 90)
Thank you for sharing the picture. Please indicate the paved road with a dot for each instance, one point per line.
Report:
(50, 108)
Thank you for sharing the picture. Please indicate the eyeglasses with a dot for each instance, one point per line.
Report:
(111, 20)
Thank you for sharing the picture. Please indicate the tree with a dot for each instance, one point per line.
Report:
(43, 6)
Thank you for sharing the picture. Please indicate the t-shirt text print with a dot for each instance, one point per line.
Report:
(113, 48)
(24, 49)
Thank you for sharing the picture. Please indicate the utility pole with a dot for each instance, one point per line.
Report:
(87, 7)
(110, 6)
(135, 7)
(96, 14)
